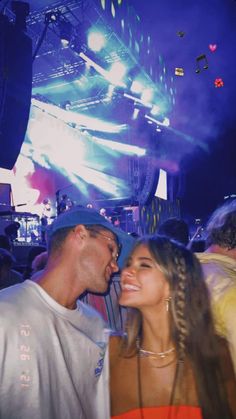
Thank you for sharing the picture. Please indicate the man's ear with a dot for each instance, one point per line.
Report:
(81, 232)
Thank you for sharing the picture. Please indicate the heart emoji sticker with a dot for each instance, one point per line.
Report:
(212, 47)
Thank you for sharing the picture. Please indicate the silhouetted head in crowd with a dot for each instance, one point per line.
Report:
(39, 262)
(33, 252)
(5, 242)
(6, 258)
(198, 246)
(6, 262)
(12, 230)
(221, 230)
(176, 229)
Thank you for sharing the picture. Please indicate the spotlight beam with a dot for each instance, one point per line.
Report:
(120, 147)
(109, 77)
(164, 123)
(137, 100)
(81, 121)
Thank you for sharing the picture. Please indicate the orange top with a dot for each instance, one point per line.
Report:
(162, 412)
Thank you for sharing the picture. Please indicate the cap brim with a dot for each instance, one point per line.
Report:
(87, 216)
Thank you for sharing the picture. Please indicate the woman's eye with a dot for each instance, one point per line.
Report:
(145, 265)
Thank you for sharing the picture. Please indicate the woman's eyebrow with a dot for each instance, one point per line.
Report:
(140, 258)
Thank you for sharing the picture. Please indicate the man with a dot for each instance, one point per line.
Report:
(53, 348)
(65, 204)
(219, 267)
(103, 212)
(46, 218)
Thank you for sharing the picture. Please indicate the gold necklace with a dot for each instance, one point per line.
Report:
(144, 353)
(155, 355)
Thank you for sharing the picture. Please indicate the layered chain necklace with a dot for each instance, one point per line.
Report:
(143, 353)
(155, 355)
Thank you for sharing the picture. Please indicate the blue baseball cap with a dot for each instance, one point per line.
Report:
(88, 216)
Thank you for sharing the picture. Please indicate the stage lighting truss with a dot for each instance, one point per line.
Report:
(52, 16)
(60, 24)
(71, 21)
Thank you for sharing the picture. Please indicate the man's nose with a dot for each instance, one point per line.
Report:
(115, 267)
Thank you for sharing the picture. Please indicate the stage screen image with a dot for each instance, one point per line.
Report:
(58, 157)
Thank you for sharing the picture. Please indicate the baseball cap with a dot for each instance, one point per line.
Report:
(88, 216)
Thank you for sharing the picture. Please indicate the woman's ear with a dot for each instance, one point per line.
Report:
(167, 291)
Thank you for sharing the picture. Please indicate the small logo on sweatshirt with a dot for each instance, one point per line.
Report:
(100, 363)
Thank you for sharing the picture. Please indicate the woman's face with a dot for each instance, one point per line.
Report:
(142, 282)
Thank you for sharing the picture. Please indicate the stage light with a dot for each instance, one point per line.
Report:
(135, 114)
(166, 122)
(117, 71)
(66, 105)
(136, 87)
(155, 110)
(147, 95)
(65, 29)
(110, 91)
(81, 168)
(52, 16)
(96, 41)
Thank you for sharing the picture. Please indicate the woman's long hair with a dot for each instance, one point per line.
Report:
(191, 323)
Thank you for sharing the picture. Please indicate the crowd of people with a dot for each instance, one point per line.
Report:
(109, 324)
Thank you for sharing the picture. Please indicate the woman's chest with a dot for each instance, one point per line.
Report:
(136, 383)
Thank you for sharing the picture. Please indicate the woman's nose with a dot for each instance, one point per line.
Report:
(128, 272)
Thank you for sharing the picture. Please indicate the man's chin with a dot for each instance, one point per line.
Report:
(106, 288)
(100, 289)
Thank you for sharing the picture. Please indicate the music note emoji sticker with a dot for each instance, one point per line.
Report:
(203, 58)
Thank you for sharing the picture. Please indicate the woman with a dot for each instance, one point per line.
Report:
(170, 364)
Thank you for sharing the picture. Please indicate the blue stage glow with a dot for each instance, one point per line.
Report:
(96, 40)
(82, 159)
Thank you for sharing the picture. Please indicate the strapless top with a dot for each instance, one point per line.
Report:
(162, 412)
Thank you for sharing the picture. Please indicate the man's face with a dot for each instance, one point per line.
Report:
(99, 258)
